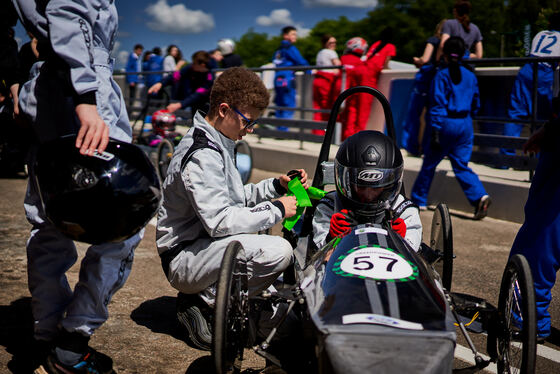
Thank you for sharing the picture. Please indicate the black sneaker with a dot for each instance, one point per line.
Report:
(91, 362)
(481, 207)
(195, 315)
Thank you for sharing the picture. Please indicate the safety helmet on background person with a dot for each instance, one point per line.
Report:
(164, 120)
(357, 45)
(368, 174)
(226, 46)
(96, 199)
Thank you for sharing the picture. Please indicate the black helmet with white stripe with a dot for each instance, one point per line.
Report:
(368, 174)
(96, 199)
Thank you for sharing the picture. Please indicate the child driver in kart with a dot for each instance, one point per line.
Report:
(368, 177)
(206, 206)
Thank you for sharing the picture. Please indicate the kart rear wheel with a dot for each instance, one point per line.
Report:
(441, 240)
(517, 335)
(164, 153)
(231, 311)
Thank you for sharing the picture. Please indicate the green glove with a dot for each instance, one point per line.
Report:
(303, 197)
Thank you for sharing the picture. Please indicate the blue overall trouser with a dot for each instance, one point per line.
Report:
(417, 102)
(538, 238)
(521, 101)
(456, 140)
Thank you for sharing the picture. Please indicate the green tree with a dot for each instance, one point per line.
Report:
(501, 23)
(256, 49)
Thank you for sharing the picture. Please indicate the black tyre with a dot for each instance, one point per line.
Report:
(164, 153)
(244, 160)
(517, 335)
(441, 240)
(231, 311)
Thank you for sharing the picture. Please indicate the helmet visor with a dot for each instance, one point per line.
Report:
(367, 185)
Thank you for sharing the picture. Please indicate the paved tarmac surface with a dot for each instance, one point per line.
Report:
(142, 335)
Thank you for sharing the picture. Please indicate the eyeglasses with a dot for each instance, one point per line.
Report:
(248, 124)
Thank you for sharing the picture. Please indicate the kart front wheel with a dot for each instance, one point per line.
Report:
(441, 240)
(231, 311)
(517, 313)
(164, 153)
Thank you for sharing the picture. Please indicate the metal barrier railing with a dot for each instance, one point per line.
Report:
(480, 139)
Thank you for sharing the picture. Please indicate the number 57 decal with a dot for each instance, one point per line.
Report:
(375, 263)
(369, 265)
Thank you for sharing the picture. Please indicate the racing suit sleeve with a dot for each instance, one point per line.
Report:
(71, 37)
(293, 54)
(321, 223)
(256, 193)
(209, 193)
(440, 101)
(411, 218)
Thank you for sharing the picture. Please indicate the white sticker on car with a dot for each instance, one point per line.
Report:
(370, 230)
(377, 319)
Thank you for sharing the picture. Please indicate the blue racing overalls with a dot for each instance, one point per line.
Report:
(450, 115)
(538, 238)
(544, 44)
(284, 80)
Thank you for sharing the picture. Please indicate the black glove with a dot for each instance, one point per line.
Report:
(294, 174)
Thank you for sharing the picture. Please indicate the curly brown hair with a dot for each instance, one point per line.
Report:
(238, 87)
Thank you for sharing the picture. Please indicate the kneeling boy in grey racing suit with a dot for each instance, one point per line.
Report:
(206, 206)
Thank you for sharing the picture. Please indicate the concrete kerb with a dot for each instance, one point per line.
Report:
(508, 188)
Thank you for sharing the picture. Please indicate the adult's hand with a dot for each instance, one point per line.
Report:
(155, 88)
(93, 133)
(173, 107)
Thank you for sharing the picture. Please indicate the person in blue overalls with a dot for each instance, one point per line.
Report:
(72, 91)
(419, 95)
(538, 238)
(154, 63)
(545, 44)
(284, 80)
(454, 98)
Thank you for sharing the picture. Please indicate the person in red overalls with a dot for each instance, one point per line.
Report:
(324, 92)
(355, 72)
(377, 59)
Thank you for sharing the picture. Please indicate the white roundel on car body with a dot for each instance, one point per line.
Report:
(376, 263)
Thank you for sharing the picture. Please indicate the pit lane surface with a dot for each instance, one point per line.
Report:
(142, 335)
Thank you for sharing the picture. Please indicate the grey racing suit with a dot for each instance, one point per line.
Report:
(402, 207)
(75, 39)
(206, 206)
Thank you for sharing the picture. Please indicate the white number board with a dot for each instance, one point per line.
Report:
(376, 263)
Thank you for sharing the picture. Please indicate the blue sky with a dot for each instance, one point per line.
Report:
(198, 24)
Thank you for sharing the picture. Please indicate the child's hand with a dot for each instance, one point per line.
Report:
(399, 227)
(290, 205)
(341, 222)
(286, 178)
(94, 133)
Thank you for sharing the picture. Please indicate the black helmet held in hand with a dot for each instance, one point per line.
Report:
(368, 174)
(96, 199)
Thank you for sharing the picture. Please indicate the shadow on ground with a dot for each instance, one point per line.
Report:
(16, 335)
(159, 316)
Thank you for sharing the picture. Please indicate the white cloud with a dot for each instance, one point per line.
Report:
(341, 3)
(302, 32)
(122, 57)
(177, 19)
(278, 17)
